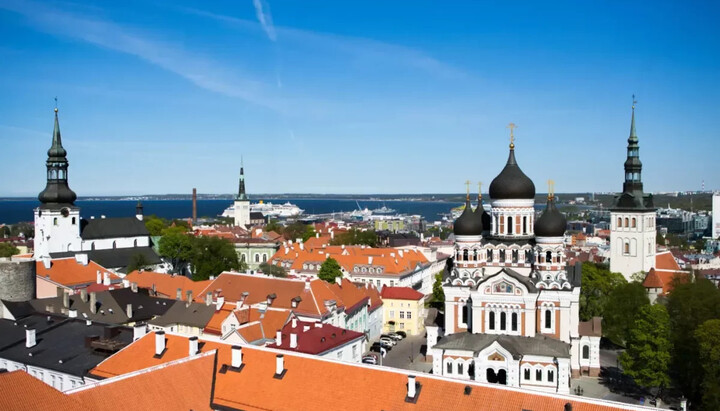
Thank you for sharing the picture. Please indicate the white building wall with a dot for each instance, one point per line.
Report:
(55, 233)
(351, 352)
(716, 215)
(55, 379)
(242, 213)
(632, 249)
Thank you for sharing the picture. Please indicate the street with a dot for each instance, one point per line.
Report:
(407, 355)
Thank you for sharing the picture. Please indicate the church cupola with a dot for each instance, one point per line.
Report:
(469, 223)
(57, 193)
(552, 222)
(484, 215)
(512, 183)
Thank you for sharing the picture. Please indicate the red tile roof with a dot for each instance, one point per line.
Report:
(401, 293)
(70, 273)
(666, 261)
(664, 279)
(315, 338)
(20, 391)
(166, 285)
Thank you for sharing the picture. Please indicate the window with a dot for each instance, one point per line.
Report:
(402, 314)
(619, 223)
(538, 375)
(502, 256)
(402, 326)
(548, 318)
(465, 255)
(354, 351)
(524, 225)
(586, 352)
(449, 368)
(489, 255)
(475, 255)
(491, 320)
(634, 223)
(460, 368)
(73, 220)
(409, 315)
(515, 256)
(339, 354)
(264, 258)
(550, 375)
(503, 318)
(257, 258)
(464, 317)
(55, 221)
(514, 321)
(627, 222)
(548, 256)
(392, 314)
(526, 374)
(509, 225)
(626, 249)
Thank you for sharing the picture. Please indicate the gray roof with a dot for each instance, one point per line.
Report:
(194, 315)
(516, 345)
(432, 316)
(63, 347)
(98, 228)
(114, 257)
(111, 306)
(12, 331)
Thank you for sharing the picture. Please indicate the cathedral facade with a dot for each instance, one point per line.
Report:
(511, 300)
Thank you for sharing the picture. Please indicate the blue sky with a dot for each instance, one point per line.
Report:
(357, 96)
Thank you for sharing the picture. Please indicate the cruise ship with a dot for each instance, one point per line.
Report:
(286, 210)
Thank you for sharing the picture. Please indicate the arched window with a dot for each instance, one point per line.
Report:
(548, 256)
(460, 369)
(550, 376)
(525, 225)
(627, 248)
(114, 244)
(475, 255)
(55, 221)
(257, 258)
(489, 255)
(449, 368)
(527, 256)
(73, 221)
(515, 256)
(627, 222)
(538, 375)
(586, 352)
(514, 321)
(135, 243)
(526, 374)
(242, 258)
(92, 246)
(502, 255)
(264, 258)
(619, 224)
(509, 225)
(464, 317)
(548, 318)
(503, 319)
(465, 255)
(491, 320)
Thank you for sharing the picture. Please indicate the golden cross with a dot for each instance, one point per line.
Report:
(467, 187)
(512, 127)
(479, 189)
(551, 188)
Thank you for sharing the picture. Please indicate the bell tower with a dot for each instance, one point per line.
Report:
(242, 202)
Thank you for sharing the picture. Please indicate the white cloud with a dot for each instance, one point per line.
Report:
(262, 11)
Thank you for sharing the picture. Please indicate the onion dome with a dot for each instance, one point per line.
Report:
(480, 210)
(469, 222)
(512, 183)
(552, 222)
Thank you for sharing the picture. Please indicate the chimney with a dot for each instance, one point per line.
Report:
(106, 278)
(125, 283)
(370, 259)
(338, 280)
(294, 322)
(83, 295)
(307, 285)
(72, 313)
(139, 331)
(279, 366)
(178, 294)
(159, 343)
(128, 311)
(30, 338)
(47, 263)
(193, 342)
(244, 296)
(189, 298)
(219, 300)
(293, 340)
(271, 298)
(208, 298)
(302, 246)
(278, 338)
(134, 287)
(93, 302)
(98, 277)
(306, 328)
(412, 389)
(65, 298)
(139, 211)
(236, 357)
(81, 259)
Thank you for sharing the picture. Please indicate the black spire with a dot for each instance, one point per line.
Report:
(633, 195)
(241, 185)
(57, 192)
(139, 208)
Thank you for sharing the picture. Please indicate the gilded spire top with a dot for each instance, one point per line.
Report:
(479, 192)
(467, 188)
(512, 128)
(551, 189)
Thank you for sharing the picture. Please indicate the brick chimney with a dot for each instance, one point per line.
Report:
(30, 338)
(159, 343)
(193, 345)
(236, 356)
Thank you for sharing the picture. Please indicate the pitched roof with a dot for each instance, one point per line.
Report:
(312, 382)
(664, 279)
(99, 228)
(517, 345)
(182, 312)
(19, 391)
(315, 338)
(70, 273)
(166, 285)
(182, 384)
(114, 257)
(401, 293)
(666, 261)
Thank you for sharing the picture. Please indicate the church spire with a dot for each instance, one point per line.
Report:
(241, 185)
(56, 190)
(633, 165)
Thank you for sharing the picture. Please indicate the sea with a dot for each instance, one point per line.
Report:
(14, 211)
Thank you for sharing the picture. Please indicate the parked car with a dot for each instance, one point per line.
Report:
(388, 344)
(390, 340)
(396, 336)
(369, 359)
(380, 347)
(403, 334)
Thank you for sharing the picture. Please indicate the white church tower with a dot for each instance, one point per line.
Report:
(242, 202)
(57, 219)
(632, 225)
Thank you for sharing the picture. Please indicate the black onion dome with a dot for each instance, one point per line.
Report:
(57, 193)
(551, 223)
(469, 223)
(512, 183)
(484, 216)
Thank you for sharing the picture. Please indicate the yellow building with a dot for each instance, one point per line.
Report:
(402, 310)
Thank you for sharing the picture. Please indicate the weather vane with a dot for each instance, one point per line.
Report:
(512, 127)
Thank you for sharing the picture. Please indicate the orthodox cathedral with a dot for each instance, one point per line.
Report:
(61, 233)
(511, 301)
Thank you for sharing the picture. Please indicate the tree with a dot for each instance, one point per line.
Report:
(274, 225)
(708, 339)
(647, 358)
(212, 256)
(8, 250)
(273, 270)
(638, 277)
(356, 237)
(155, 225)
(690, 304)
(329, 270)
(138, 262)
(438, 295)
(597, 284)
(178, 248)
(174, 229)
(621, 311)
(26, 230)
(297, 230)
